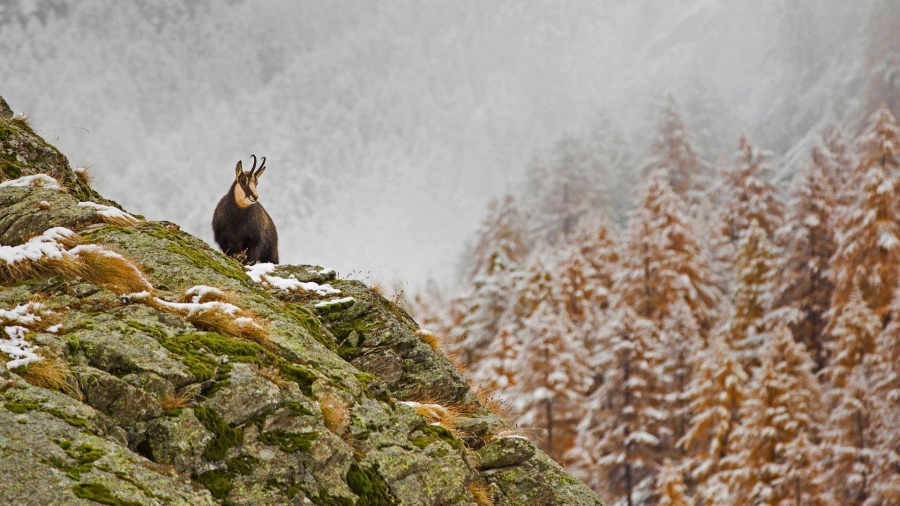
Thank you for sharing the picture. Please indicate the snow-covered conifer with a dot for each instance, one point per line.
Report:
(502, 232)
(773, 452)
(808, 236)
(868, 253)
(620, 441)
(670, 487)
(663, 261)
(854, 340)
(673, 153)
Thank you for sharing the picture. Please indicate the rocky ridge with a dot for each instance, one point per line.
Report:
(167, 375)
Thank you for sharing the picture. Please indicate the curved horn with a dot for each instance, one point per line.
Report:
(262, 168)
(254, 164)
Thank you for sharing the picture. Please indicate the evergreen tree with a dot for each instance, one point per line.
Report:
(752, 294)
(596, 239)
(859, 466)
(502, 234)
(808, 236)
(748, 196)
(855, 335)
(485, 304)
(619, 442)
(552, 377)
(772, 454)
(663, 261)
(717, 393)
(670, 487)
(868, 253)
(673, 153)
(682, 341)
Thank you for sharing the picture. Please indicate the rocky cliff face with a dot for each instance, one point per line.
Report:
(144, 367)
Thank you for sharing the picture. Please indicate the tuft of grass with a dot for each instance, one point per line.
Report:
(482, 493)
(22, 118)
(66, 266)
(85, 174)
(53, 374)
(335, 412)
(216, 320)
(175, 401)
(111, 271)
(378, 287)
(489, 400)
(430, 339)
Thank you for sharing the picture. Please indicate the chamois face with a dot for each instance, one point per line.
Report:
(245, 194)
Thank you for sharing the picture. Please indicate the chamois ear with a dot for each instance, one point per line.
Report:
(238, 170)
(261, 169)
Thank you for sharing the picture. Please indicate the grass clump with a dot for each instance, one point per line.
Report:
(335, 412)
(482, 493)
(173, 401)
(431, 339)
(51, 373)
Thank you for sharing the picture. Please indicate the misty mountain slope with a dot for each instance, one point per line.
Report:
(391, 124)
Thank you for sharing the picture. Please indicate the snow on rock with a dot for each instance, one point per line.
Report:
(335, 302)
(197, 293)
(38, 180)
(53, 329)
(37, 248)
(196, 308)
(261, 273)
(21, 351)
(23, 314)
(109, 212)
(430, 411)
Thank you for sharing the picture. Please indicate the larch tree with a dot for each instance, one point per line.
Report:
(670, 487)
(859, 467)
(552, 377)
(673, 153)
(834, 154)
(683, 341)
(854, 340)
(597, 241)
(620, 440)
(809, 239)
(663, 262)
(755, 268)
(747, 195)
(502, 232)
(717, 393)
(868, 253)
(772, 454)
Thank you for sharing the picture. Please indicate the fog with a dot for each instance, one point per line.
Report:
(388, 125)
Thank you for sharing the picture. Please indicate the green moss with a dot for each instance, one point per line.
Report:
(301, 376)
(74, 421)
(326, 499)
(99, 493)
(85, 455)
(218, 482)
(21, 407)
(95, 235)
(433, 433)
(65, 445)
(10, 169)
(288, 442)
(242, 464)
(203, 260)
(312, 324)
(225, 436)
(298, 408)
(369, 486)
(147, 329)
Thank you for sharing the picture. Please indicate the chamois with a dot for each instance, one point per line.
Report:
(241, 227)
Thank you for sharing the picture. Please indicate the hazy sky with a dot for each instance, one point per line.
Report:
(388, 125)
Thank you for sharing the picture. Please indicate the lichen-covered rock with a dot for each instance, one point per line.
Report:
(506, 451)
(144, 401)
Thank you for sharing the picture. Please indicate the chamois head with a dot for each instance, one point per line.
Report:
(245, 194)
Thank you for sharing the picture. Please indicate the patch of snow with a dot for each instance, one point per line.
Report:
(261, 273)
(21, 351)
(53, 329)
(38, 180)
(195, 308)
(333, 302)
(108, 211)
(326, 271)
(23, 314)
(37, 248)
(138, 297)
(201, 291)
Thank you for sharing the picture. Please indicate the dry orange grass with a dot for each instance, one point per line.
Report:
(335, 412)
(378, 287)
(489, 400)
(430, 339)
(66, 266)
(22, 118)
(111, 271)
(176, 401)
(482, 493)
(210, 296)
(217, 320)
(274, 375)
(84, 174)
(51, 373)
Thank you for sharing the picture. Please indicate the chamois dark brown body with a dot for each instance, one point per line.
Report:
(241, 226)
